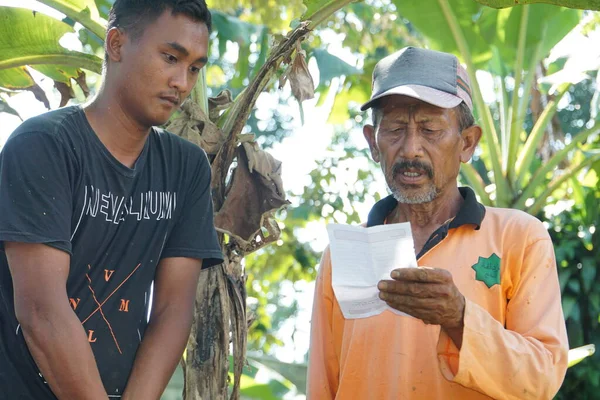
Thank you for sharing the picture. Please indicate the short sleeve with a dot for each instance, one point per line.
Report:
(35, 191)
(194, 233)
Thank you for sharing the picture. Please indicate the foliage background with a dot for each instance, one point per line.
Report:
(340, 183)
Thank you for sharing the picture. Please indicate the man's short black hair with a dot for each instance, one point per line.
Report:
(133, 16)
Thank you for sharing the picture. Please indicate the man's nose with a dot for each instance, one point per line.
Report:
(180, 79)
(411, 145)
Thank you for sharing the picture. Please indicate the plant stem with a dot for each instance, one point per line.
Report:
(580, 4)
(324, 12)
(475, 182)
(87, 19)
(537, 133)
(200, 92)
(540, 174)
(489, 130)
(72, 59)
(528, 83)
(541, 200)
(514, 127)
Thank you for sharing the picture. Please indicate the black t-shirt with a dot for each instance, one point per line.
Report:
(60, 186)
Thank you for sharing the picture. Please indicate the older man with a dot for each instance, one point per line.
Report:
(488, 321)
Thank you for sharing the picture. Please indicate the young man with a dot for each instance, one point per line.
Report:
(488, 321)
(96, 205)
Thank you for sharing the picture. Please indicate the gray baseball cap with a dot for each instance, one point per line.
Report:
(431, 76)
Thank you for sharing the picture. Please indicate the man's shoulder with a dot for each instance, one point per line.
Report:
(57, 130)
(52, 122)
(178, 145)
(59, 127)
(514, 222)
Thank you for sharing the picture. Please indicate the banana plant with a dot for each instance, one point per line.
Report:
(31, 39)
(581, 4)
(510, 44)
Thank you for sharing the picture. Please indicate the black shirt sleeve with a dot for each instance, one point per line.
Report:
(35, 191)
(194, 233)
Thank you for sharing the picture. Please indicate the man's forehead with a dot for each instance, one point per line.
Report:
(398, 105)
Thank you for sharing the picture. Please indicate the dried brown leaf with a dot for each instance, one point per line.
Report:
(264, 163)
(219, 103)
(66, 92)
(192, 124)
(249, 205)
(82, 83)
(300, 79)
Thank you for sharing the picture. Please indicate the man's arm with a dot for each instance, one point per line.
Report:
(52, 331)
(523, 358)
(526, 357)
(323, 363)
(170, 322)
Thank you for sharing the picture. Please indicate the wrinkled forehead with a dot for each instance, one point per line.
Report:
(392, 107)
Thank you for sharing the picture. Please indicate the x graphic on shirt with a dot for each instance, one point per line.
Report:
(99, 308)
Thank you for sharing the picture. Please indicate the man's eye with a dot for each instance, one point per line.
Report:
(171, 59)
(195, 70)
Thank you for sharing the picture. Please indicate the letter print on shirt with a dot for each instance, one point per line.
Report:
(124, 305)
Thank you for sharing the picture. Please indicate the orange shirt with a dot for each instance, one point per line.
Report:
(514, 343)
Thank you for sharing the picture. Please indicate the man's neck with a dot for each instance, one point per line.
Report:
(429, 215)
(123, 137)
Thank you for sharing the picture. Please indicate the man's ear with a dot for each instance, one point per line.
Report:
(369, 132)
(115, 38)
(471, 137)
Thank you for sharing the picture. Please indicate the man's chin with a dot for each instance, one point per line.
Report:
(159, 119)
(414, 195)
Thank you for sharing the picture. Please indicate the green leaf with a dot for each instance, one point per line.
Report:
(589, 272)
(82, 11)
(60, 73)
(568, 302)
(331, 66)
(595, 301)
(578, 354)
(476, 23)
(319, 10)
(233, 29)
(29, 38)
(564, 274)
(574, 286)
(6, 108)
(295, 373)
(581, 4)
(545, 24)
(104, 7)
(15, 78)
(20, 79)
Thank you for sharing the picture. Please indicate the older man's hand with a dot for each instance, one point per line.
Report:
(428, 294)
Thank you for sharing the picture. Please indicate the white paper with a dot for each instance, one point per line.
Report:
(360, 258)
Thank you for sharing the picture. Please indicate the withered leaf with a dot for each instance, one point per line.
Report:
(39, 94)
(300, 79)
(219, 103)
(249, 205)
(192, 124)
(66, 92)
(264, 163)
(82, 83)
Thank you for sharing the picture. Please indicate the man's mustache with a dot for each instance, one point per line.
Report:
(403, 165)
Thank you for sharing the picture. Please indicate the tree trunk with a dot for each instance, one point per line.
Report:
(206, 364)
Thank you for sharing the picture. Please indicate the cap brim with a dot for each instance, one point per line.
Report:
(424, 93)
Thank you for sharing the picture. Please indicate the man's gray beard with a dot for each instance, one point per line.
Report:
(417, 198)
